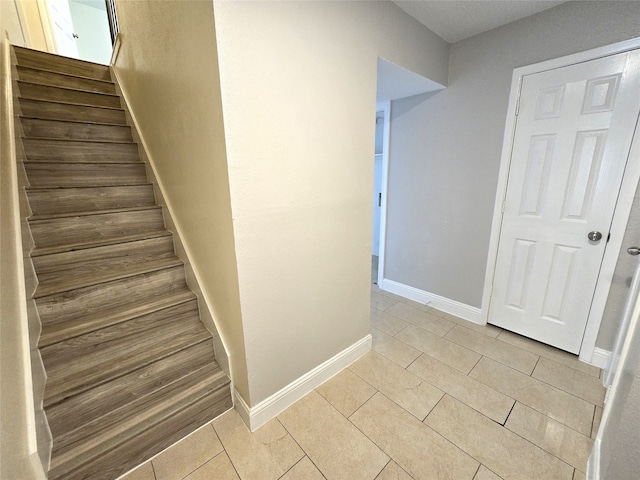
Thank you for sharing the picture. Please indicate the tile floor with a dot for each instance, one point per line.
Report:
(437, 398)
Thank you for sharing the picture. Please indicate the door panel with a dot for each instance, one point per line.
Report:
(572, 139)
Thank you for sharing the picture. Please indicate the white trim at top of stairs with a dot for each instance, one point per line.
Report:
(255, 417)
(443, 304)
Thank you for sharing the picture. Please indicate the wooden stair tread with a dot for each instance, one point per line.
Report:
(36, 252)
(69, 95)
(45, 109)
(77, 364)
(146, 438)
(60, 79)
(74, 122)
(66, 175)
(28, 57)
(41, 150)
(209, 377)
(86, 213)
(73, 412)
(96, 273)
(73, 327)
(51, 201)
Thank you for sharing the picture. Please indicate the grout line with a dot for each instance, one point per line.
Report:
(385, 466)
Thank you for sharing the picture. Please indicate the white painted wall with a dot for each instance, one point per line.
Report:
(446, 146)
(299, 93)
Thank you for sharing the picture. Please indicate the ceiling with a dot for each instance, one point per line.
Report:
(455, 20)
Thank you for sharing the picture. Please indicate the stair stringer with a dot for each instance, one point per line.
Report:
(191, 272)
(38, 377)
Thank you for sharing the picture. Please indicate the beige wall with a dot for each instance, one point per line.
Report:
(168, 68)
(298, 89)
(446, 147)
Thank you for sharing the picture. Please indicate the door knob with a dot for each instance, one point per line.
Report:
(594, 236)
(633, 251)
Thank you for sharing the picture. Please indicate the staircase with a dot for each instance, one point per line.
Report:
(130, 367)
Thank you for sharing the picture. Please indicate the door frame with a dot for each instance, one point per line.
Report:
(588, 351)
(385, 108)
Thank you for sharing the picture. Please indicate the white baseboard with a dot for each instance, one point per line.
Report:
(446, 305)
(255, 417)
(600, 357)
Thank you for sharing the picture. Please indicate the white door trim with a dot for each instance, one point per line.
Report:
(385, 108)
(623, 207)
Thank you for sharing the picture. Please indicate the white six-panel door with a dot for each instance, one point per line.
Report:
(572, 139)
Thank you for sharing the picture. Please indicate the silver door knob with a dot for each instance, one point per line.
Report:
(594, 236)
(633, 250)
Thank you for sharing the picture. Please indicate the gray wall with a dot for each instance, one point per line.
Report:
(446, 146)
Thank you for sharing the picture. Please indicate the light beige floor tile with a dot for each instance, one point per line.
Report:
(566, 378)
(420, 318)
(264, 454)
(477, 395)
(406, 389)
(547, 351)
(393, 471)
(578, 475)
(332, 443)
(381, 302)
(386, 322)
(597, 417)
(143, 472)
(218, 468)
(505, 353)
(485, 474)
(489, 330)
(393, 349)
(346, 392)
(557, 439)
(501, 450)
(440, 348)
(187, 455)
(414, 446)
(303, 470)
(561, 406)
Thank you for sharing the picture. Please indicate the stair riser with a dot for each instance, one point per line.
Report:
(53, 175)
(74, 113)
(38, 150)
(35, 91)
(110, 296)
(74, 412)
(54, 79)
(94, 228)
(33, 127)
(67, 200)
(36, 59)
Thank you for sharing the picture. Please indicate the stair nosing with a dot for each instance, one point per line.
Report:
(171, 262)
(82, 122)
(29, 137)
(53, 189)
(88, 213)
(108, 82)
(113, 95)
(38, 252)
(186, 295)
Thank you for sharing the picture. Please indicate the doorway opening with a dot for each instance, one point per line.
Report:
(83, 29)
